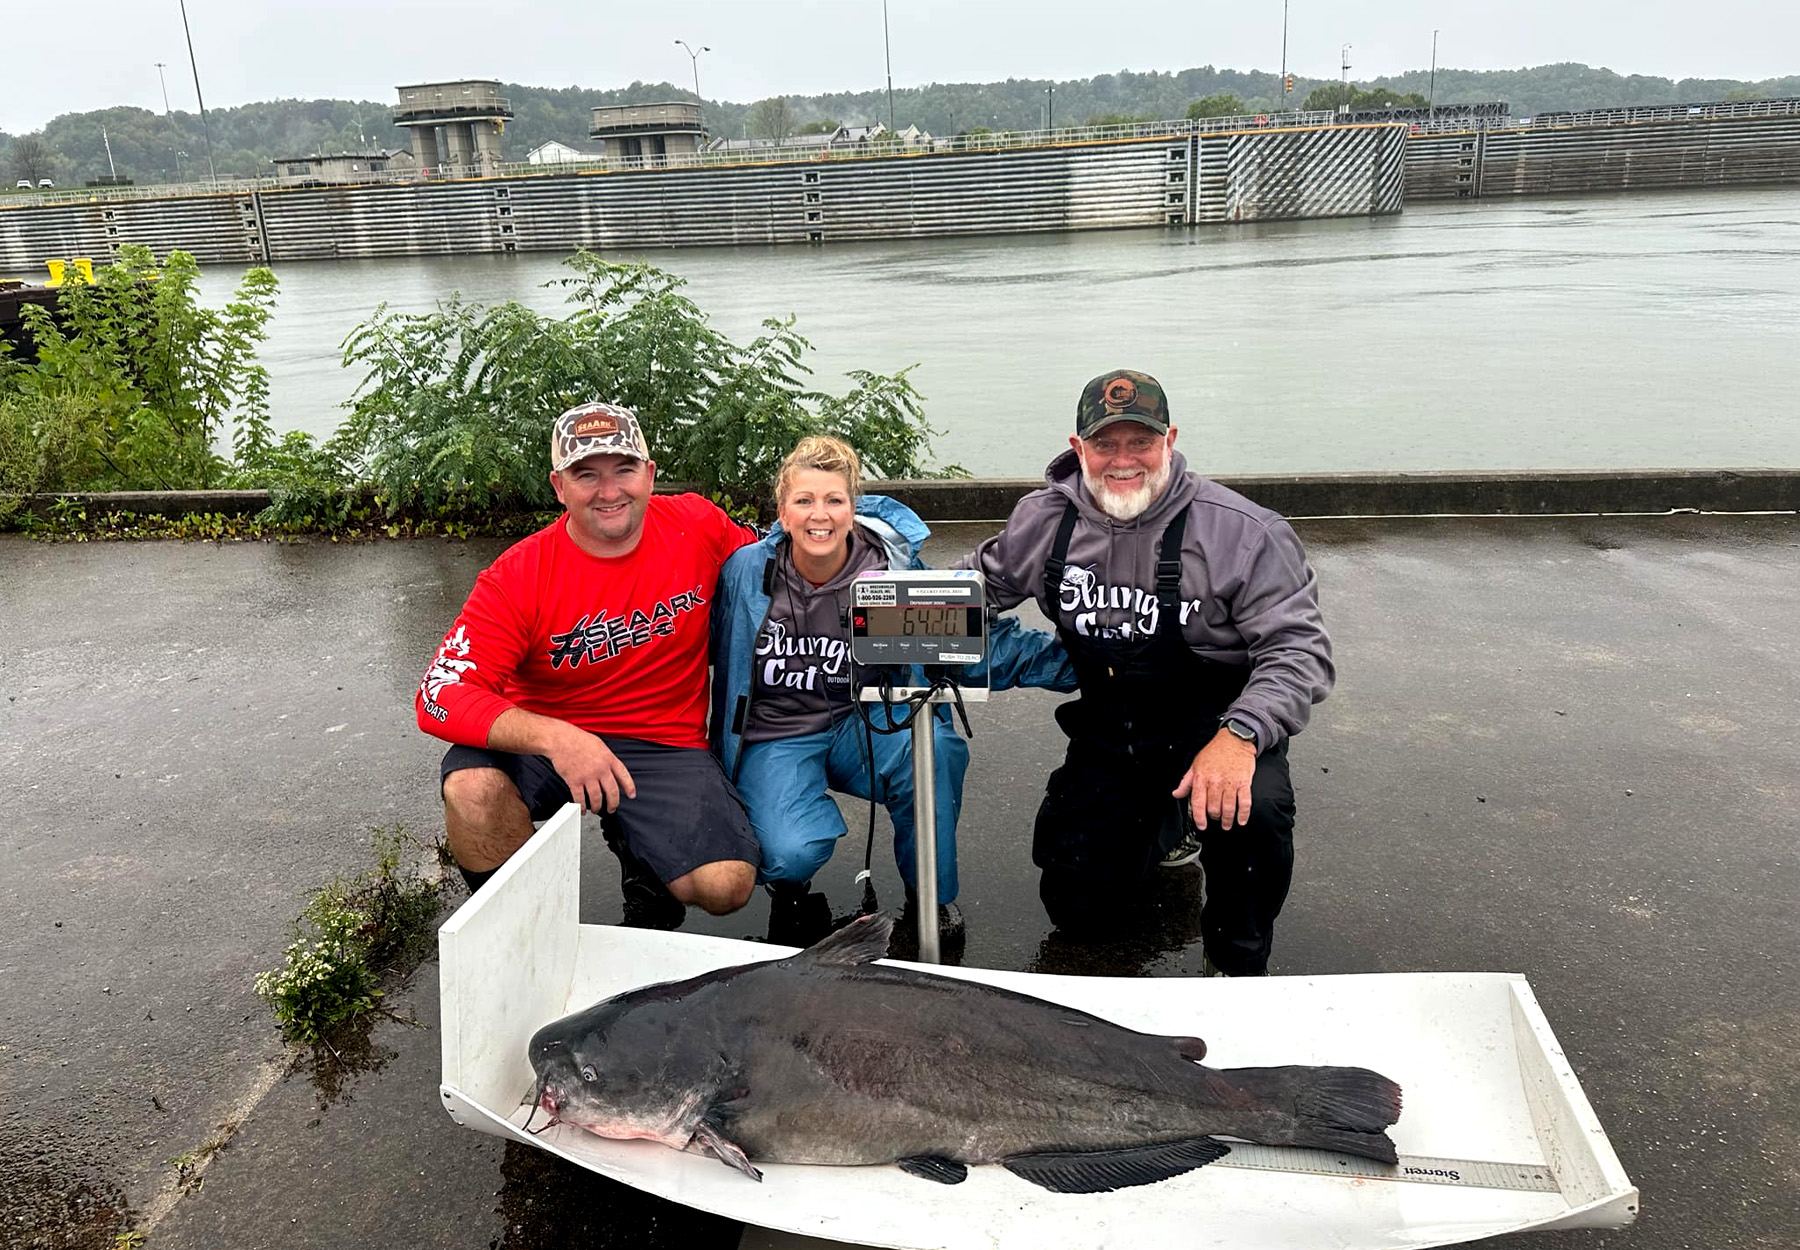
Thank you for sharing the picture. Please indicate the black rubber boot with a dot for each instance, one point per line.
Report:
(648, 903)
(952, 931)
(797, 916)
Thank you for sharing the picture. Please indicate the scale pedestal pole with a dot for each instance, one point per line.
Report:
(930, 625)
(924, 766)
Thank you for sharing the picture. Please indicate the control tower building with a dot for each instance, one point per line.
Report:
(456, 126)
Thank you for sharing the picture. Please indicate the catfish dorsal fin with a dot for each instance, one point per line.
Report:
(862, 941)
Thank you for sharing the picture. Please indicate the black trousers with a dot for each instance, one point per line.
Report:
(1107, 820)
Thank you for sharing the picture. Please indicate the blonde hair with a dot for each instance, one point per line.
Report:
(822, 453)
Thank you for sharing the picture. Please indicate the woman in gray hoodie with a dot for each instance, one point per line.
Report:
(784, 721)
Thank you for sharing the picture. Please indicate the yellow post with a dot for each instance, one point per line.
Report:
(56, 272)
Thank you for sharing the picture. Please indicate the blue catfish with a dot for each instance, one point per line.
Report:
(828, 1057)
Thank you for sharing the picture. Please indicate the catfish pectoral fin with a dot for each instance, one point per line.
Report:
(944, 1171)
(1102, 1171)
(708, 1140)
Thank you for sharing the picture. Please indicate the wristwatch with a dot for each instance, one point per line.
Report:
(1242, 729)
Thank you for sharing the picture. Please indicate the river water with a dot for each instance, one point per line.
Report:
(1641, 331)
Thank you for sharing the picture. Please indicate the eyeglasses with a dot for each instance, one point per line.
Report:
(1137, 445)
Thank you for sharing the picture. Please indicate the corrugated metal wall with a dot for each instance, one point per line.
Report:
(1261, 175)
(1444, 166)
(217, 229)
(1698, 152)
(402, 219)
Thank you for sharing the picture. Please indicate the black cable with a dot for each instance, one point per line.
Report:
(870, 905)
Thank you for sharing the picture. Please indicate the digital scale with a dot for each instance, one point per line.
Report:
(932, 617)
(934, 621)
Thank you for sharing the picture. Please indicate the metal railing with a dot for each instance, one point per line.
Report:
(893, 145)
(1615, 117)
(458, 105)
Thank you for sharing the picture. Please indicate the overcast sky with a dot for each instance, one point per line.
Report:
(85, 54)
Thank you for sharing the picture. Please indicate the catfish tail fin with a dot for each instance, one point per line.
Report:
(1342, 1109)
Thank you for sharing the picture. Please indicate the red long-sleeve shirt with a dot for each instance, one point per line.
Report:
(614, 646)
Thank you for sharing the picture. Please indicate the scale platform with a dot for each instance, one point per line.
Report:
(1496, 1135)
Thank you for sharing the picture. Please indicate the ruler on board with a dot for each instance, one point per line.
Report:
(1417, 1169)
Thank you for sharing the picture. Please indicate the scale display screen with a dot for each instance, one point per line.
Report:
(916, 622)
(918, 616)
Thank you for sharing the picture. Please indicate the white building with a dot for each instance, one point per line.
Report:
(556, 152)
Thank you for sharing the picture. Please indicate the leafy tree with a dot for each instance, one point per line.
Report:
(1330, 95)
(819, 128)
(1116, 119)
(31, 158)
(771, 119)
(1223, 104)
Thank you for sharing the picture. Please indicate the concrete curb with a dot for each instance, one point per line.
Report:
(1511, 493)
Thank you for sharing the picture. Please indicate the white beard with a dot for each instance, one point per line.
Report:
(1126, 505)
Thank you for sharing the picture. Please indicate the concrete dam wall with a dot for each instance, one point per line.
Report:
(1185, 179)
(1262, 175)
(1563, 155)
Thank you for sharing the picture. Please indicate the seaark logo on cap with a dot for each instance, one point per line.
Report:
(596, 425)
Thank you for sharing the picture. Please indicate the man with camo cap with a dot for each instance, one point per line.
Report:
(1193, 621)
(577, 672)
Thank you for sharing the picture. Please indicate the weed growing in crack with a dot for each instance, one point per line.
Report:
(353, 931)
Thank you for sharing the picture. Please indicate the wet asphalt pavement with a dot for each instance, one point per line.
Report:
(1560, 747)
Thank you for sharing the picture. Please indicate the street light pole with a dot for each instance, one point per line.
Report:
(887, 48)
(1286, 90)
(1344, 100)
(205, 128)
(694, 64)
(1431, 100)
(1050, 94)
(160, 66)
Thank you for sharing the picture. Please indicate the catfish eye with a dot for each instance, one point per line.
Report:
(588, 1073)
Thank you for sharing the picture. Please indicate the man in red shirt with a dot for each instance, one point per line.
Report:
(577, 673)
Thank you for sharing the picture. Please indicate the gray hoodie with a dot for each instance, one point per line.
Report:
(1248, 596)
(802, 677)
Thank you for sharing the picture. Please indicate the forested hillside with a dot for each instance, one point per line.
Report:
(150, 147)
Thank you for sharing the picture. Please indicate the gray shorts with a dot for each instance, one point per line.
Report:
(686, 812)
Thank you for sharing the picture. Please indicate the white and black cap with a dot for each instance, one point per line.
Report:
(596, 430)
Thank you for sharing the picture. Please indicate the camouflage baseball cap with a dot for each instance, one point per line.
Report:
(595, 430)
(1122, 395)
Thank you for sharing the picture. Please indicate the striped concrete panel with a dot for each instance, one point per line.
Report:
(1283, 175)
(217, 229)
(1642, 155)
(1390, 171)
(407, 219)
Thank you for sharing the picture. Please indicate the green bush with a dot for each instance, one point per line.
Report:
(47, 443)
(453, 410)
(134, 384)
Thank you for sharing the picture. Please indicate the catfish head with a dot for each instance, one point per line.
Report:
(616, 1078)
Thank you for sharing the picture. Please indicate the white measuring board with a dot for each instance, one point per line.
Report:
(1495, 1124)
